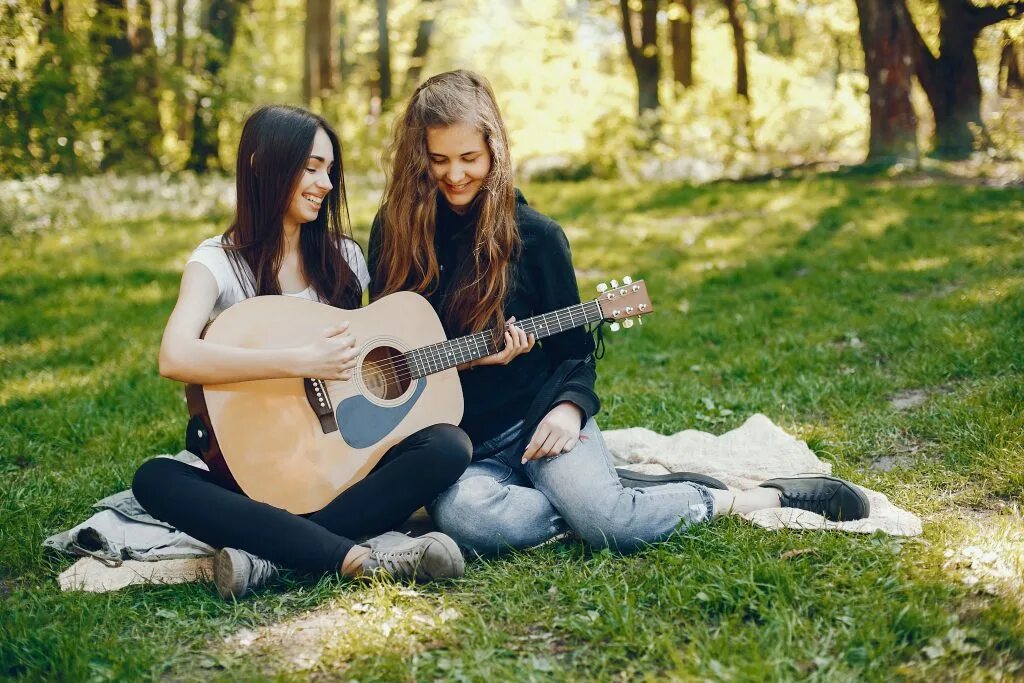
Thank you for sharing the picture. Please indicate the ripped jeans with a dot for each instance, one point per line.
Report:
(499, 503)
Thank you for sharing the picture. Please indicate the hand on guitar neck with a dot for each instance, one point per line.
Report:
(517, 342)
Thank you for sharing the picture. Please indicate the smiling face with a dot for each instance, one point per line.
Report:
(314, 182)
(459, 161)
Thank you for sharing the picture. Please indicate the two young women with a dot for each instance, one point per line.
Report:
(452, 227)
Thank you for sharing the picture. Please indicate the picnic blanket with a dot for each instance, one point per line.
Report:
(754, 452)
(742, 458)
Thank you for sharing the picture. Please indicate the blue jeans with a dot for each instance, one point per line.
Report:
(499, 503)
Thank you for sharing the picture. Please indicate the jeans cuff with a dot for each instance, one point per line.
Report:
(709, 502)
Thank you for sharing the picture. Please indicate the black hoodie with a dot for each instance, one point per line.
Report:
(498, 396)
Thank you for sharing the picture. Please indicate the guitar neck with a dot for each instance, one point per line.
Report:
(428, 360)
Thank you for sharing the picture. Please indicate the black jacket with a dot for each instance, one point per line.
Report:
(498, 396)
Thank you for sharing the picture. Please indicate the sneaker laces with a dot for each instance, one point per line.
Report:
(804, 500)
(399, 563)
(260, 570)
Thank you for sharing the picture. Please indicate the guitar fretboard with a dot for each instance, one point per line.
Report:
(427, 360)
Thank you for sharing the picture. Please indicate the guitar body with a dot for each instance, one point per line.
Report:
(287, 444)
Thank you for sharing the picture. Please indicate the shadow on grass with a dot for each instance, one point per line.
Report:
(811, 302)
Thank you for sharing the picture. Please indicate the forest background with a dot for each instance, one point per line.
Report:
(642, 89)
(858, 277)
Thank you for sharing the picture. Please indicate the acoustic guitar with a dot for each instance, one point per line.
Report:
(297, 443)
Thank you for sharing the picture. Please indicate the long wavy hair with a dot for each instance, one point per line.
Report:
(272, 154)
(407, 260)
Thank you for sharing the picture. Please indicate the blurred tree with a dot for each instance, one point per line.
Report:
(736, 12)
(950, 78)
(885, 27)
(318, 65)
(775, 30)
(146, 64)
(1009, 67)
(115, 94)
(51, 93)
(643, 54)
(383, 85)
(680, 24)
(418, 56)
(184, 105)
(220, 24)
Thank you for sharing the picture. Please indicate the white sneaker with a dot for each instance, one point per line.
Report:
(236, 572)
(426, 558)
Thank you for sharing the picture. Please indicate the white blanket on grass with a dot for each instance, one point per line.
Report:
(754, 452)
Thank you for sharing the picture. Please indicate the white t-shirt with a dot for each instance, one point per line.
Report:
(211, 253)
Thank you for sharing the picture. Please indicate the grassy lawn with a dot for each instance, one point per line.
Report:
(881, 321)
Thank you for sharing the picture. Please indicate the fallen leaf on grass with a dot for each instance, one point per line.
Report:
(797, 552)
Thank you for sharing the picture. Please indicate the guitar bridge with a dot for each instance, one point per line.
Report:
(320, 402)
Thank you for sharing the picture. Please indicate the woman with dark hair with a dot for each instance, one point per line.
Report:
(453, 227)
(290, 236)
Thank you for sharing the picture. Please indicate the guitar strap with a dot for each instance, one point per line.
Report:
(200, 439)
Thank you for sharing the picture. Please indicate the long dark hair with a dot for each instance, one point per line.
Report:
(272, 153)
(407, 258)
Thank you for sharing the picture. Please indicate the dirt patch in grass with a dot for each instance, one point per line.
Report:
(906, 451)
(911, 398)
(395, 621)
(936, 292)
(908, 399)
(990, 557)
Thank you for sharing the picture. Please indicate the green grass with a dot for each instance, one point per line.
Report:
(813, 301)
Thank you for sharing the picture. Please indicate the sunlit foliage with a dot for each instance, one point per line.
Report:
(559, 68)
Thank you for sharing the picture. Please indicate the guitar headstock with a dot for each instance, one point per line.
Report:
(624, 302)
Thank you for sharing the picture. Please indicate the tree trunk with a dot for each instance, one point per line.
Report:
(147, 84)
(318, 66)
(739, 39)
(680, 23)
(643, 55)
(179, 34)
(184, 106)
(418, 57)
(1010, 77)
(951, 79)
(887, 60)
(51, 92)
(220, 23)
(383, 54)
(116, 89)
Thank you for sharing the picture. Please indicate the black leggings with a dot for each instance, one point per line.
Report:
(409, 476)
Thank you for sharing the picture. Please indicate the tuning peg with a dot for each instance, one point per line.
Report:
(627, 280)
(615, 283)
(614, 327)
(602, 287)
(627, 323)
(640, 320)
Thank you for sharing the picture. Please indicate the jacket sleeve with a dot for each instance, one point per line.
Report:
(556, 285)
(373, 257)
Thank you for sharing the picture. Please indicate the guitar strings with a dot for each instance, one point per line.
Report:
(399, 369)
(393, 370)
(433, 361)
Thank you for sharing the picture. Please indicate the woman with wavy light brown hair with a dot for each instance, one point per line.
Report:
(453, 228)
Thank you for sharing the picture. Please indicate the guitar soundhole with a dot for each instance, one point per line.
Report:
(385, 372)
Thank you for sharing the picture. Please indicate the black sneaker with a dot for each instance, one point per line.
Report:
(830, 497)
(639, 480)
